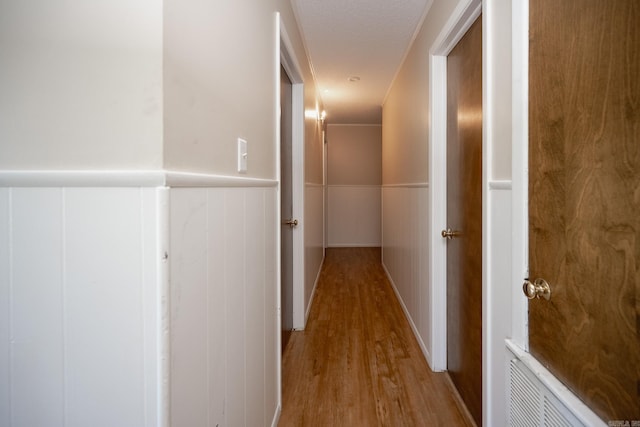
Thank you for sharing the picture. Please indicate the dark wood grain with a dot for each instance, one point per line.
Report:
(464, 212)
(584, 192)
(357, 363)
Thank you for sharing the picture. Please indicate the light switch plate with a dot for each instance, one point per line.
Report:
(242, 155)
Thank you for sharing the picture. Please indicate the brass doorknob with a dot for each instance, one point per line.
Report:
(539, 288)
(450, 234)
(291, 222)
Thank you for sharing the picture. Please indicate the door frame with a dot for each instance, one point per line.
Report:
(456, 27)
(519, 170)
(288, 60)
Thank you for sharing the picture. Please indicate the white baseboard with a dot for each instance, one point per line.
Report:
(276, 416)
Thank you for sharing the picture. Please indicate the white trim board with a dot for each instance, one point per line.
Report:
(354, 186)
(353, 124)
(356, 245)
(520, 173)
(164, 306)
(125, 178)
(184, 179)
(407, 185)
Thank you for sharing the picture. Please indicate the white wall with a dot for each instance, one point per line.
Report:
(354, 175)
(216, 90)
(81, 85)
(142, 85)
(79, 327)
(354, 154)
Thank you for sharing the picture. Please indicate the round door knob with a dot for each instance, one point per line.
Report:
(539, 288)
(291, 222)
(450, 234)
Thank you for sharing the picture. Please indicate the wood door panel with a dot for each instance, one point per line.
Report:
(584, 198)
(286, 206)
(464, 212)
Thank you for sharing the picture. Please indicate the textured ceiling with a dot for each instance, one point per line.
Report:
(364, 38)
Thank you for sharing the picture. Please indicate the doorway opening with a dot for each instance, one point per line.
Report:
(288, 64)
(461, 21)
(444, 334)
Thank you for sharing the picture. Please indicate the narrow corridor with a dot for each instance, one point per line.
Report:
(358, 362)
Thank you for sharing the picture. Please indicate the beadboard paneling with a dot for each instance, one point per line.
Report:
(271, 321)
(5, 308)
(189, 301)
(354, 215)
(405, 240)
(314, 244)
(223, 306)
(37, 308)
(255, 278)
(79, 303)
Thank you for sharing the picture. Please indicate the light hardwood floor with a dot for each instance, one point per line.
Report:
(358, 363)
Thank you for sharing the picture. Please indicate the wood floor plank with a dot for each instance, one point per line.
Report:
(358, 362)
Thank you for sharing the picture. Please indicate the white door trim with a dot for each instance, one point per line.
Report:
(461, 19)
(520, 168)
(290, 63)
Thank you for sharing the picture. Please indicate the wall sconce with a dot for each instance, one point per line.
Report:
(315, 115)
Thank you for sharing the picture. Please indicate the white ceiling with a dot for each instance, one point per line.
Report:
(364, 38)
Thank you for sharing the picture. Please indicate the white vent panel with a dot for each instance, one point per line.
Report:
(532, 404)
(525, 398)
(553, 416)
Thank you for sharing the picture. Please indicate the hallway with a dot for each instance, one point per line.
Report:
(358, 363)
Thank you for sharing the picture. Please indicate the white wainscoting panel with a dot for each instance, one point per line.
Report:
(496, 312)
(354, 215)
(224, 319)
(405, 254)
(79, 335)
(313, 245)
(5, 313)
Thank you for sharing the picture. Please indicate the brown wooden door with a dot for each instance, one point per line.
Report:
(464, 214)
(286, 206)
(584, 198)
